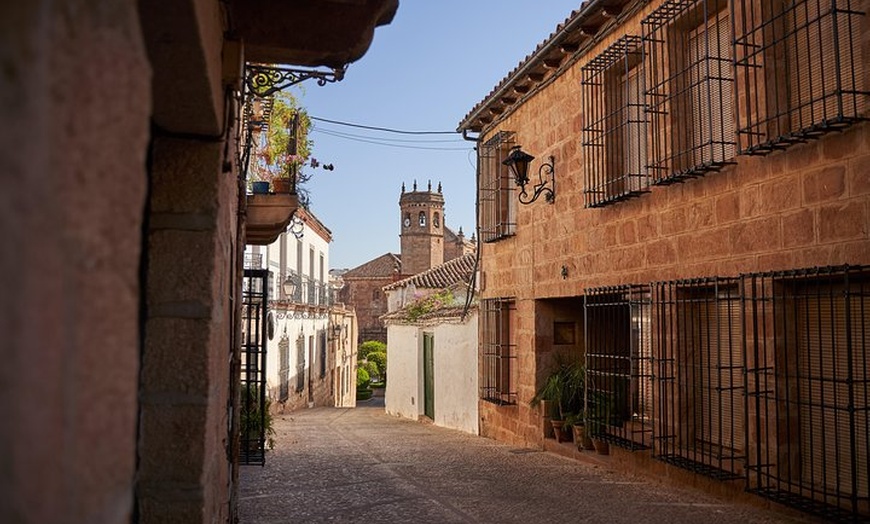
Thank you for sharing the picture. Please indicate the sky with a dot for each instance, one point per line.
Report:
(423, 72)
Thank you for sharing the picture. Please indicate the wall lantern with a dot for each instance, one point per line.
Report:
(518, 161)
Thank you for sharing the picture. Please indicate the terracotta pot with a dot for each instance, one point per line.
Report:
(281, 185)
(561, 434)
(581, 439)
(602, 447)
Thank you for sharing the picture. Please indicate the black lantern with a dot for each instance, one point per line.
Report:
(518, 161)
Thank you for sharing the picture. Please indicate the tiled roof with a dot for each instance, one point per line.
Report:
(444, 313)
(386, 265)
(440, 277)
(549, 59)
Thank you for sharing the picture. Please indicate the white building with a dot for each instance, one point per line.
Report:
(432, 356)
(310, 353)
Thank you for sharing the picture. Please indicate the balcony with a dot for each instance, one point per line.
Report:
(268, 216)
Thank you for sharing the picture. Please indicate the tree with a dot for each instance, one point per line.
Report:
(369, 346)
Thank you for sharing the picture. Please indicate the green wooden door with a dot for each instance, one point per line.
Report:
(429, 375)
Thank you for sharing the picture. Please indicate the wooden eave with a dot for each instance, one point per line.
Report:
(551, 58)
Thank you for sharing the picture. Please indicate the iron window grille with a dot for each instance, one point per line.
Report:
(614, 136)
(253, 406)
(498, 351)
(690, 100)
(300, 364)
(284, 369)
(800, 70)
(699, 384)
(808, 398)
(497, 207)
(619, 392)
(321, 341)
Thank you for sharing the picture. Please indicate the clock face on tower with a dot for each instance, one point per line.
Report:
(407, 222)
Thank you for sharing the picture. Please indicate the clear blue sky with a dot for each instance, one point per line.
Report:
(424, 72)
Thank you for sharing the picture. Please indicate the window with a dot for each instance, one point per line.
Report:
(283, 369)
(690, 98)
(321, 341)
(615, 130)
(300, 363)
(808, 389)
(422, 219)
(497, 213)
(619, 365)
(800, 70)
(700, 376)
(436, 220)
(498, 351)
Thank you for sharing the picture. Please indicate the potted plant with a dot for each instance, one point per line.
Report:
(577, 424)
(563, 390)
(255, 421)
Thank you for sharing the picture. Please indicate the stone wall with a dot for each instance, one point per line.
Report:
(807, 205)
(71, 199)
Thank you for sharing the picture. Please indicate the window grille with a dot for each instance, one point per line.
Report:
(497, 204)
(687, 46)
(615, 131)
(284, 369)
(321, 341)
(498, 351)
(252, 402)
(300, 364)
(498, 208)
(807, 389)
(800, 70)
(619, 397)
(699, 376)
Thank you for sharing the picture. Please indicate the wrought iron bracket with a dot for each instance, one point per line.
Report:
(264, 81)
(547, 187)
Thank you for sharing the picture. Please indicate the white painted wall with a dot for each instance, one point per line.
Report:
(456, 384)
(404, 390)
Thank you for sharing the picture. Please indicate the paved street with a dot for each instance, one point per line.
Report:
(361, 465)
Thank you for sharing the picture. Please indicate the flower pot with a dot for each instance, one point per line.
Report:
(581, 439)
(602, 447)
(559, 431)
(281, 185)
(260, 188)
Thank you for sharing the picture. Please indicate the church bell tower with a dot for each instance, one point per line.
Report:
(422, 229)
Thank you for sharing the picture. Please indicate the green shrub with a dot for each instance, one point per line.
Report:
(362, 378)
(369, 346)
(379, 358)
(364, 394)
(371, 368)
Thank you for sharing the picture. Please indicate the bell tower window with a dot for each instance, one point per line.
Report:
(422, 219)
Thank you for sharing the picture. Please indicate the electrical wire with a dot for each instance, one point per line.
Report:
(385, 129)
(401, 140)
(387, 144)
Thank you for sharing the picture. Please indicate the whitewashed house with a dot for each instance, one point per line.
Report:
(311, 350)
(432, 346)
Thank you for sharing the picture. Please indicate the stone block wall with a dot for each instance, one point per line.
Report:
(807, 205)
(71, 199)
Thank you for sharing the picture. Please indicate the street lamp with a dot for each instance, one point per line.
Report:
(289, 287)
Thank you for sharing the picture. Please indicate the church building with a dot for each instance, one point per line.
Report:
(426, 242)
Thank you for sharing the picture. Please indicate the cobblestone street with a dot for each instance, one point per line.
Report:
(361, 465)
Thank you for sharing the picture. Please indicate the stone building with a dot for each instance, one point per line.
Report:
(426, 242)
(122, 194)
(706, 254)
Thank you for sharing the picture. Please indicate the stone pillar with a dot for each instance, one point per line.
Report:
(75, 105)
(184, 436)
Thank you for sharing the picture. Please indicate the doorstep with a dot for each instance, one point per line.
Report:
(569, 450)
